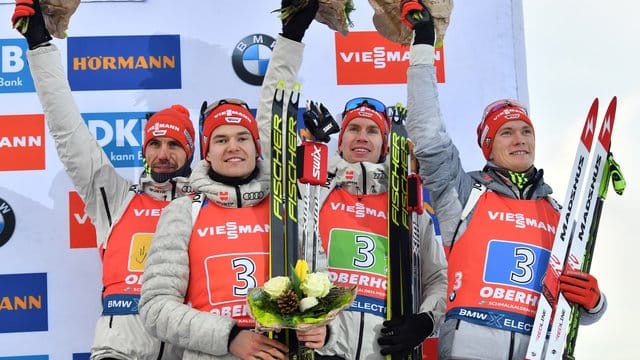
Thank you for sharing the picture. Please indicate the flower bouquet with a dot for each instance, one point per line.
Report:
(301, 301)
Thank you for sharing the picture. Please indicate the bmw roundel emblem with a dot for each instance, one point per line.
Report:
(251, 56)
(7, 222)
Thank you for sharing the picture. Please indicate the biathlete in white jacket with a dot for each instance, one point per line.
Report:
(200, 266)
(486, 255)
(113, 203)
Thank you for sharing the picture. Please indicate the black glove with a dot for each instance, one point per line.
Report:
(27, 19)
(319, 121)
(417, 17)
(295, 24)
(401, 334)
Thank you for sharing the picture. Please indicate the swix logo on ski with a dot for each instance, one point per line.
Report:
(232, 230)
(23, 303)
(15, 76)
(22, 142)
(359, 210)
(120, 135)
(82, 233)
(124, 62)
(366, 57)
(520, 220)
(316, 156)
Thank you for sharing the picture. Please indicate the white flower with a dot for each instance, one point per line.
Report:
(316, 285)
(276, 286)
(308, 303)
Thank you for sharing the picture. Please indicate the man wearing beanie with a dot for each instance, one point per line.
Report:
(113, 203)
(205, 238)
(208, 251)
(508, 184)
(358, 178)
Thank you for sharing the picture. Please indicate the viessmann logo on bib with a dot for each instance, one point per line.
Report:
(365, 57)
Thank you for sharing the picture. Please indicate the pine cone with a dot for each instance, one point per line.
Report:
(330, 297)
(288, 302)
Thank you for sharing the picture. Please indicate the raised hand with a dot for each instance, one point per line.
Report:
(417, 17)
(296, 16)
(27, 19)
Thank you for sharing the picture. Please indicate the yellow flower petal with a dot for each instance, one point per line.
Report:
(301, 269)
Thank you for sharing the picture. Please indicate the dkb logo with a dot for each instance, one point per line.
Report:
(14, 72)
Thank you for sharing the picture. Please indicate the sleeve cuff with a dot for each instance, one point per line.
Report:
(421, 54)
(598, 306)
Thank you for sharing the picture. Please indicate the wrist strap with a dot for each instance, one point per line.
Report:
(235, 330)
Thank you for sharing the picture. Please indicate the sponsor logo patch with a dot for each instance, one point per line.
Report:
(22, 142)
(366, 57)
(120, 135)
(15, 76)
(23, 303)
(7, 222)
(251, 56)
(124, 62)
(82, 233)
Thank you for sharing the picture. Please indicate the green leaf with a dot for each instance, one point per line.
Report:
(288, 11)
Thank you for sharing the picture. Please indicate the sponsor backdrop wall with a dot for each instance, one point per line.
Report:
(127, 58)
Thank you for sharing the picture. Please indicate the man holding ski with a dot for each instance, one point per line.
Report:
(498, 224)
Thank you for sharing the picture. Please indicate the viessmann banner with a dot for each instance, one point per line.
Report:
(124, 59)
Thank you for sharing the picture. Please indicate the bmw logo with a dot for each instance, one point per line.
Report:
(7, 222)
(251, 56)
